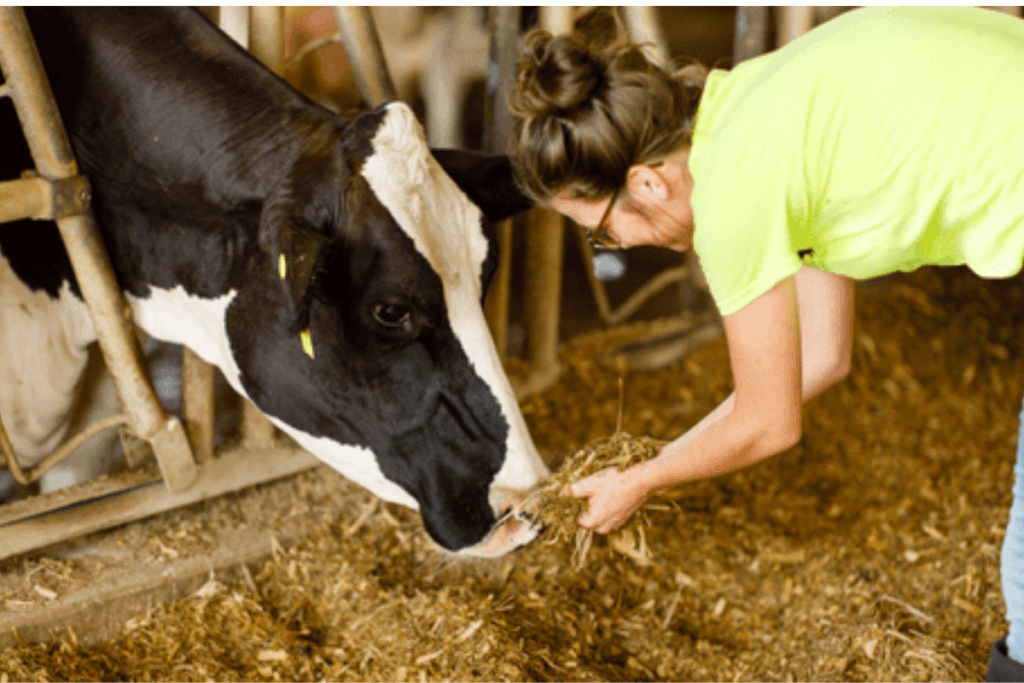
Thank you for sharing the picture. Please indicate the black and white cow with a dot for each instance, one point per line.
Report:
(333, 269)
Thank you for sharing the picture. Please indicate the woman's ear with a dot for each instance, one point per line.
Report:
(643, 180)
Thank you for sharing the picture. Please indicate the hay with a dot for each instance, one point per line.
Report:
(557, 512)
(870, 551)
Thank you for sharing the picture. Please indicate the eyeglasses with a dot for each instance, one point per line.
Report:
(599, 237)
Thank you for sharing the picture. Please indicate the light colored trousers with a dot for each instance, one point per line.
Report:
(1012, 569)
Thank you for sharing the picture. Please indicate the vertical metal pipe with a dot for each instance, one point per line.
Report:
(545, 243)
(234, 21)
(751, 35)
(643, 27)
(30, 91)
(496, 301)
(794, 21)
(266, 35)
(503, 27)
(266, 42)
(198, 407)
(556, 19)
(362, 45)
(256, 429)
(544, 286)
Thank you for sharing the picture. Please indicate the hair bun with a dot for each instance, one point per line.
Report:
(556, 74)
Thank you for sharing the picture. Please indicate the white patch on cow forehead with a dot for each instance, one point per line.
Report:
(424, 201)
(445, 226)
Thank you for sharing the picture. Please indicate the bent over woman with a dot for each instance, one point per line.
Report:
(882, 141)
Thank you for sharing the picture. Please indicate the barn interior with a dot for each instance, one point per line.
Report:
(867, 552)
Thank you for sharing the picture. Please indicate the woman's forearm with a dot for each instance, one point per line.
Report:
(675, 465)
(722, 442)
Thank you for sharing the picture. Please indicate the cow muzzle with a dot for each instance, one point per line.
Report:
(516, 525)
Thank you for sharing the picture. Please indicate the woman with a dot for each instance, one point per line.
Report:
(884, 140)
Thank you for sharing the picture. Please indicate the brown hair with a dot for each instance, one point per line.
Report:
(590, 104)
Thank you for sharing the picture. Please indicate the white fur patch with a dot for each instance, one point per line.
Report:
(445, 227)
(356, 463)
(175, 315)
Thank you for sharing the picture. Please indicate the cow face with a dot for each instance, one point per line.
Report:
(366, 339)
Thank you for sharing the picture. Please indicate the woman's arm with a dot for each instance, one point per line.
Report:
(762, 417)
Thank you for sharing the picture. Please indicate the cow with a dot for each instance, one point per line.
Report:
(333, 269)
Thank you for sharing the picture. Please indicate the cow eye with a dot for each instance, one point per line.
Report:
(392, 315)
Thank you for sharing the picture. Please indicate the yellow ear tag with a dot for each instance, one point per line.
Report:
(282, 266)
(307, 343)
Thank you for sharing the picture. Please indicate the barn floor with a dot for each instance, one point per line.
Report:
(868, 552)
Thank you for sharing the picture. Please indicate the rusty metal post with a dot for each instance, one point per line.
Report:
(29, 88)
(362, 45)
(198, 407)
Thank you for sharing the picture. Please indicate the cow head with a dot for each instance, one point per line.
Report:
(366, 339)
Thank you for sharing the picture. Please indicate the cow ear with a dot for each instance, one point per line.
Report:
(293, 252)
(487, 180)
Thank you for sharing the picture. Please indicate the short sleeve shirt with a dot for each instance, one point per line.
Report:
(883, 140)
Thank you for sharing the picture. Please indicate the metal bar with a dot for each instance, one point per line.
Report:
(751, 37)
(644, 28)
(7, 451)
(231, 471)
(650, 288)
(362, 45)
(544, 286)
(25, 198)
(54, 160)
(556, 19)
(266, 42)
(198, 407)
(597, 287)
(256, 430)
(93, 489)
(496, 302)
(266, 35)
(503, 27)
(39, 198)
(545, 244)
(794, 21)
(72, 444)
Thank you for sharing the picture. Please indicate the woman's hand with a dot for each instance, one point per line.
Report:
(613, 495)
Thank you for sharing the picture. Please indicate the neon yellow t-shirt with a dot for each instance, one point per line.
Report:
(884, 140)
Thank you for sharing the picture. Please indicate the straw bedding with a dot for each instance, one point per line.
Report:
(870, 551)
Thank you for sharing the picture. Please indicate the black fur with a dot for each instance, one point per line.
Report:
(205, 166)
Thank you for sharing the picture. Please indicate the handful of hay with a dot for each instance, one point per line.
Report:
(557, 511)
